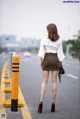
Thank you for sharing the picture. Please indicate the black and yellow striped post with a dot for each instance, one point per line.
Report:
(15, 82)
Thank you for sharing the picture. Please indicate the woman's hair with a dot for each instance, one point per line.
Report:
(52, 32)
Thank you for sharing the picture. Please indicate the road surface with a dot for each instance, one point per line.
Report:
(68, 93)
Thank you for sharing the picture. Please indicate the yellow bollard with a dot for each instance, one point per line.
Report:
(15, 81)
(7, 81)
(8, 90)
(7, 103)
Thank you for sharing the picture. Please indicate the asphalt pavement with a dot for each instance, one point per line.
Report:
(68, 92)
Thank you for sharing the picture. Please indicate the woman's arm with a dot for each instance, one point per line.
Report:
(61, 55)
(41, 60)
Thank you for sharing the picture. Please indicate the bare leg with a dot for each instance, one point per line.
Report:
(54, 85)
(44, 83)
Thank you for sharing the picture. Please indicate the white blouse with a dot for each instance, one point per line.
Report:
(47, 46)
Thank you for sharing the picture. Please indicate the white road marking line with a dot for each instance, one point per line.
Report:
(72, 76)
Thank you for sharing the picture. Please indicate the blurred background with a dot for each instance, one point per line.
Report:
(23, 24)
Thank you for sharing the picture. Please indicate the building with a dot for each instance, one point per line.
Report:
(11, 44)
(6, 40)
(29, 42)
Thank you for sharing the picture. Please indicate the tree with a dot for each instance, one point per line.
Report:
(75, 49)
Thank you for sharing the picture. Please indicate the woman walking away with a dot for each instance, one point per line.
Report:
(51, 57)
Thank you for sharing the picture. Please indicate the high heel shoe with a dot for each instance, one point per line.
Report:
(53, 107)
(40, 107)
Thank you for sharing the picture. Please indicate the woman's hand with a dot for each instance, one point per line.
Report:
(41, 61)
(60, 65)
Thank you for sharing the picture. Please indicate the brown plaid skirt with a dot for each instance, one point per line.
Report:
(50, 62)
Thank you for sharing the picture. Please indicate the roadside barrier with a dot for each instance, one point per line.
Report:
(14, 102)
(15, 80)
(6, 76)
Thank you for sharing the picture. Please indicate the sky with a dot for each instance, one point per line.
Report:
(29, 18)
